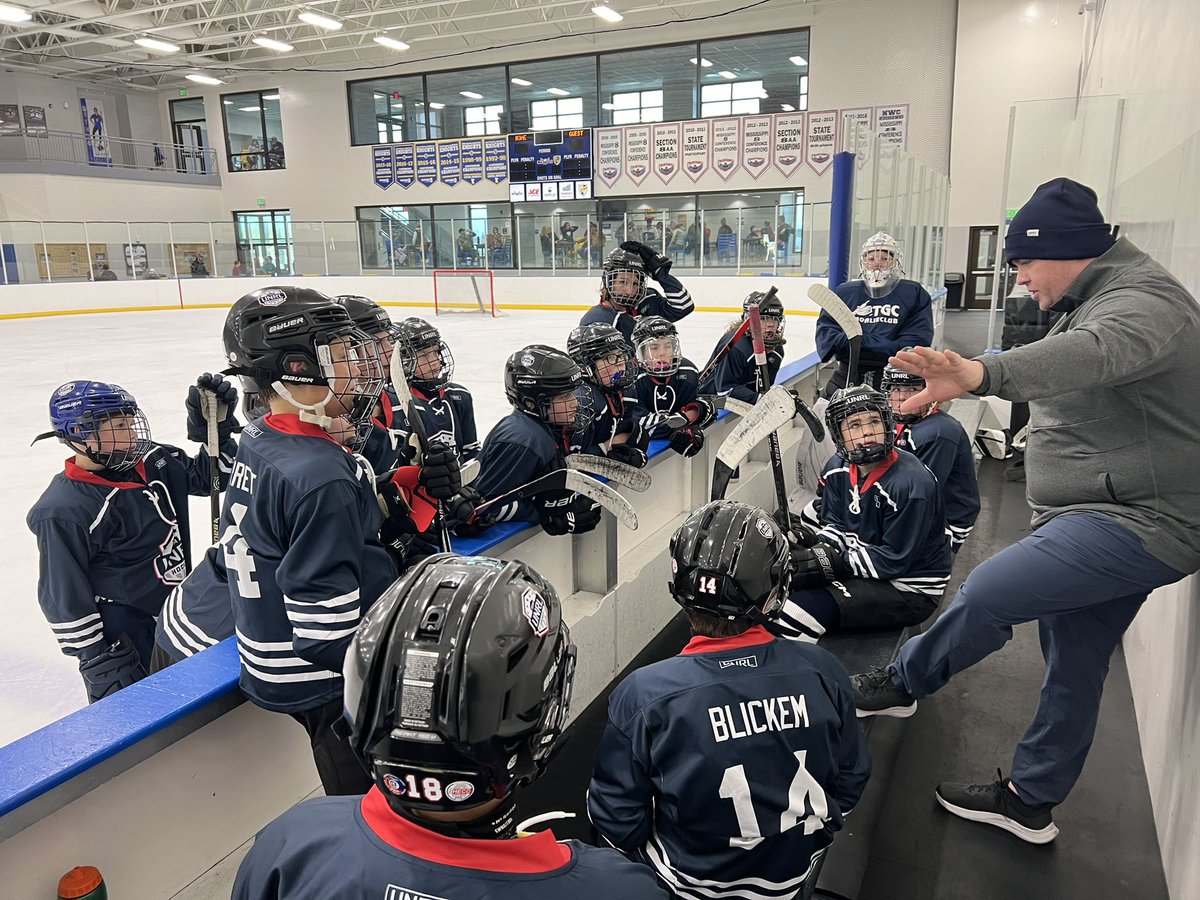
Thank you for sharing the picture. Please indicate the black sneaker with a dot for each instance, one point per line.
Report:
(875, 694)
(996, 804)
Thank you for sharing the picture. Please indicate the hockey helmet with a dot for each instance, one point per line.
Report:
(896, 379)
(100, 420)
(603, 354)
(881, 264)
(850, 401)
(770, 308)
(432, 362)
(547, 384)
(623, 278)
(656, 343)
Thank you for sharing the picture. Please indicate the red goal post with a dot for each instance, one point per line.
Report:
(464, 291)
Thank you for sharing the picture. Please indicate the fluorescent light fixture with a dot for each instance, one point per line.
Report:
(270, 96)
(249, 108)
(227, 102)
(472, 95)
(155, 44)
(607, 106)
(608, 15)
(437, 105)
(522, 82)
(787, 107)
(204, 79)
(390, 42)
(707, 64)
(14, 14)
(558, 92)
(725, 73)
(319, 20)
(798, 60)
(272, 44)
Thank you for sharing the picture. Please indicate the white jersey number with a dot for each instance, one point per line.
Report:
(804, 794)
(237, 554)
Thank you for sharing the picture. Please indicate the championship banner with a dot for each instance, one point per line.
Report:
(35, 121)
(495, 159)
(697, 148)
(789, 142)
(609, 144)
(726, 146)
(637, 152)
(756, 144)
(427, 171)
(384, 166)
(406, 166)
(891, 124)
(10, 120)
(666, 151)
(855, 119)
(472, 160)
(449, 163)
(822, 140)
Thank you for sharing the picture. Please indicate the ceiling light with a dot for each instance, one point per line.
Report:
(437, 105)
(270, 96)
(203, 79)
(787, 107)
(390, 42)
(707, 64)
(319, 20)
(798, 60)
(725, 73)
(227, 102)
(272, 44)
(472, 95)
(608, 15)
(155, 44)
(522, 82)
(249, 108)
(14, 14)
(607, 106)
(558, 92)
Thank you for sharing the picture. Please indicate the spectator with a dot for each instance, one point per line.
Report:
(237, 268)
(151, 275)
(783, 239)
(547, 240)
(268, 267)
(159, 159)
(726, 244)
(106, 274)
(199, 269)
(275, 154)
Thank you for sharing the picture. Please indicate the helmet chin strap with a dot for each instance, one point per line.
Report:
(313, 413)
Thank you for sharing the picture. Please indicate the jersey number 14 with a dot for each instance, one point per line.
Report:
(804, 793)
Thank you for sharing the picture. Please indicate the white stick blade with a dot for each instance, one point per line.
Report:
(773, 410)
(603, 495)
(821, 295)
(618, 472)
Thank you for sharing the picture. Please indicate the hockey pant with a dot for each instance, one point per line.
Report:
(851, 604)
(341, 771)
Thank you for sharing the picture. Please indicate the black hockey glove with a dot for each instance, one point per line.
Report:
(565, 512)
(440, 477)
(654, 263)
(687, 441)
(460, 513)
(702, 411)
(116, 667)
(799, 533)
(227, 395)
(629, 453)
(817, 565)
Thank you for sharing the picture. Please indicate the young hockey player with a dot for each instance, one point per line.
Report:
(488, 638)
(881, 558)
(446, 407)
(624, 293)
(552, 404)
(939, 441)
(113, 529)
(736, 372)
(894, 312)
(608, 367)
(732, 764)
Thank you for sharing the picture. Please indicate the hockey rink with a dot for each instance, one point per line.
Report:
(156, 355)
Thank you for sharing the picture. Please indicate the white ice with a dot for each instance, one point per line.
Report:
(156, 355)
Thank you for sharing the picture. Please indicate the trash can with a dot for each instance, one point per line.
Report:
(955, 281)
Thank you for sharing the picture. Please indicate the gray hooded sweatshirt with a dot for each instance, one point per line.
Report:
(1114, 404)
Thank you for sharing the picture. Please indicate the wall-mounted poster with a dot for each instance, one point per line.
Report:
(95, 131)
(697, 147)
(495, 159)
(789, 142)
(383, 166)
(136, 260)
(449, 163)
(756, 144)
(891, 124)
(726, 146)
(406, 165)
(609, 144)
(10, 119)
(35, 121)
(666, 151)
(822, 139)
(427, 163)
(472, 160)
(637, 152)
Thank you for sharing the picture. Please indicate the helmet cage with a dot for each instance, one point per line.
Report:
(653, 362)
(850, 401)
(620, 295)
(897, 379)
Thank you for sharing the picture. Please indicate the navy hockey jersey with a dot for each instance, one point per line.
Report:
(517, 450)
(387, 446)
(939, 441)
(676, 304)
(735, 374)
(126, 540)
(198, 613)
(610, 418)
(891, 523)
(728, 768)
(654, 397)
(357, 847)
(449, 417)
(299, 534)
(901, 319)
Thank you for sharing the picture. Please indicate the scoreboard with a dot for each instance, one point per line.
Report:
(550, 165)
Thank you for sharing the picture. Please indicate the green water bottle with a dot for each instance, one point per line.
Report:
(82, 883)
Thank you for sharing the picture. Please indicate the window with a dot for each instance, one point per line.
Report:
(778, 62)
(264, 242)
(548, 115)
(451, 94)
(253, 131)
(482, 119)
(636, 106)
(387, 110)
(548, 80)
(666, 70)
(734, 98)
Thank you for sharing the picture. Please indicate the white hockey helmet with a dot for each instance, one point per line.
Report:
(882, 264)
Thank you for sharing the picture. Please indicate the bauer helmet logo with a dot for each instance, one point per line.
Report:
(272, 297)
(536, 612)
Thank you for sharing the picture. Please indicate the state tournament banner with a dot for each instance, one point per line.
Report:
(472, 160)
(95, 131)
(384, 166)
(427, 171)
(666, 150)
(449, 163)
(35, 121)
(609, 145)
(789, 142)
(406, 165)
(854, 119)
(697, 147)
(756, 144)
(637, 152)
(10, 120)
(726, 146)
(891, 124)
(822, 139)
(495, 159)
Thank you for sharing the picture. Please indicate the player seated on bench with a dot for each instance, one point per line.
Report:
(735, 373)
(939, 441)
(732, 764)
(624, 293)
(881, 558)
(447, 408)
(606, 360)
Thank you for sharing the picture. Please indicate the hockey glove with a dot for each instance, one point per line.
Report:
(817, 565)
(702, 411)
(799, 534)
(654, 263)
(227, 423)
(687, 441)
(629, 453)
(565, 512)
(460, 513)
(440, 477)
(116, 667)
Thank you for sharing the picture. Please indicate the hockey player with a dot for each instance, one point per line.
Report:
(624, 293)
(881, 558)
(894, 312)
(736, 372)
(731, 765)
(447, 409)
(607, 363)
(940, 442)
(551, 405)
(113, 530)
(440, 818)
(667, 383)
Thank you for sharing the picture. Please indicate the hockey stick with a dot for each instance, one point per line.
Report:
(830, 302)
(209, 399)
(742, 408)
(618, 472)
(774, 409)
(720, 355)
(400, 386)
(571, 480)
(761, 377)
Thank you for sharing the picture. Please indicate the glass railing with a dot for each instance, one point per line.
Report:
(109, 152)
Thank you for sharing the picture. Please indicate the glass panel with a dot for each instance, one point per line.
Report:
(274, 142)
(576, 76)
(665, 69)
(986, 257)
(387, 110)
(189, 110)
(151, 250)
(452, 93)
(779, 61)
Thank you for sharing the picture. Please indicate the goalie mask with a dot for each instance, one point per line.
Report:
(861, 424)
(601, 351)
(102, 421)
(881, 264)
(623, 280)
(547, 384)
(656, 343)
(899, 385)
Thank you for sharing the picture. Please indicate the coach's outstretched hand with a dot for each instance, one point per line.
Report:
(947, 375)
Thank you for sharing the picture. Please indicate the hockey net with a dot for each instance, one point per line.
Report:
(464, 291)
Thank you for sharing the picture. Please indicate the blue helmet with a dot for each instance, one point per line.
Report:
(78, 413)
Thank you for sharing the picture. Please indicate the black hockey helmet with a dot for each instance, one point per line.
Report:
(897, 379)
(656, 333)
(846, 403)
(536, 380)
(367, 314)
(590, 345)
(769, 307)
(429, 371)
(625, 293)
(728, 560)
(458, 682)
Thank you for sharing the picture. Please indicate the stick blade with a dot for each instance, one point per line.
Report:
(821, 295)
(603, 495)
(722, 475)
(773, 410)
(617, 472)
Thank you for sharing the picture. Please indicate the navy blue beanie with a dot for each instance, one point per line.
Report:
(1062, 220)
